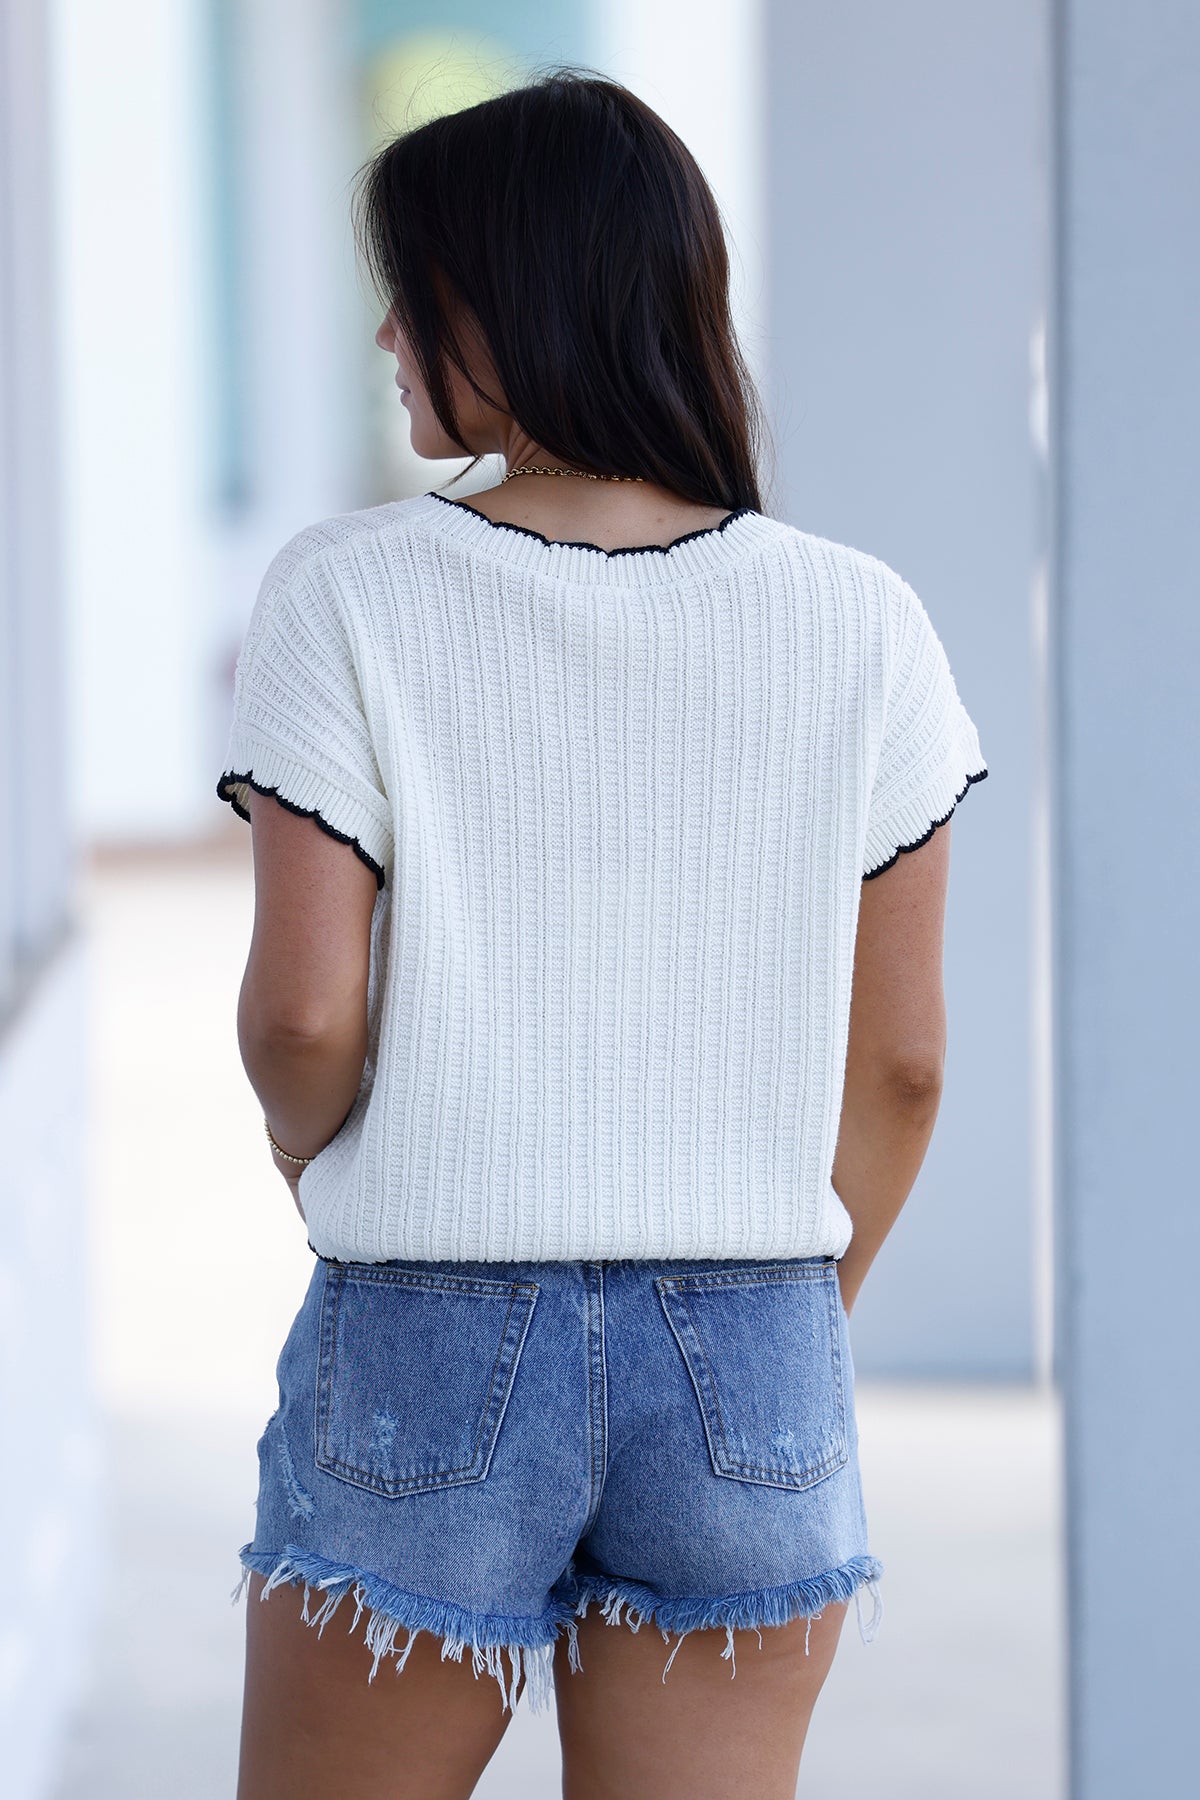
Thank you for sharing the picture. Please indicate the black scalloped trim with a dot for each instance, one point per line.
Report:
(581, 544)
(982, 775)
(300, 811)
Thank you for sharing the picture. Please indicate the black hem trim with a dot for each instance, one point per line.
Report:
(897, 854)
(301, 812)
(581, 544)
(608, 1262)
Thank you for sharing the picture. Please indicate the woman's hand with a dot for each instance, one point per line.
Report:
(291, 1174)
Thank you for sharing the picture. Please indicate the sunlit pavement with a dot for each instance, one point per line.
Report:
(200, 1262)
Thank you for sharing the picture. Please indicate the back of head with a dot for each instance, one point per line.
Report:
(567, 227)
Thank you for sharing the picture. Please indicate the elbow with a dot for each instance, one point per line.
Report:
(289, 1033)
(284, 1028)
(915, 1077)
(292, 1016)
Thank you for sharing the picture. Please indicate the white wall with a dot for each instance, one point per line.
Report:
(50, 1523)
(134, 347)
(161, 571)
(300, 313)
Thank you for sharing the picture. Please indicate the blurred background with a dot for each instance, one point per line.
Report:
(966, 284)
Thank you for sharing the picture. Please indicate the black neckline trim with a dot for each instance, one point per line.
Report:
(897, 854)
(688, 537)
(301, 812)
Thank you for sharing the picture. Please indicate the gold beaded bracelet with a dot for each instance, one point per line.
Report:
(286, 1157)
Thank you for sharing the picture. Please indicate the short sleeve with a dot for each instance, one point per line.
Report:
(929, 756)
(299, 728)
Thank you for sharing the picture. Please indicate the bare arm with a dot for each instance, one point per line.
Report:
(897, 1048)
(302, 1008)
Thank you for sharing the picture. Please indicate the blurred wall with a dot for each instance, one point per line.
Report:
(1126, 362)
(906, 176)
(286, 361)
(49, 1495)
(133, 347)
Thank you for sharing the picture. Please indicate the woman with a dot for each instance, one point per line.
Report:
(594, 1003)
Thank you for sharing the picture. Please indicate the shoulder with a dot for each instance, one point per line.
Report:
(842, 576)
(335, 542)
(318, 586)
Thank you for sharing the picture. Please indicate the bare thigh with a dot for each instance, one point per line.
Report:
(314, 1728)
(627, 1735)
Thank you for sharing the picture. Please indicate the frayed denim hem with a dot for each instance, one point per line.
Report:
(529, 1642)
(749, 1612)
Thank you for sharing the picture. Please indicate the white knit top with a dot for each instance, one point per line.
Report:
(619, 805)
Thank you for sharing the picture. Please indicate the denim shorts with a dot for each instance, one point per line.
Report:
(480, 1450)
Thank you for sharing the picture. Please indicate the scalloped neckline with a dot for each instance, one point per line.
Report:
(702, 531)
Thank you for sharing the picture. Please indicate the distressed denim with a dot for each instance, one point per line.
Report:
(483, 1450)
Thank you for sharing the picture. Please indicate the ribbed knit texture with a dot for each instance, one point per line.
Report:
(620, 806)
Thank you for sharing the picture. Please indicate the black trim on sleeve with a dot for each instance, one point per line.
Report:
(896, 855)
(302, 812)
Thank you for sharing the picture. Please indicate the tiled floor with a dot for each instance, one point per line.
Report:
(200, 1263)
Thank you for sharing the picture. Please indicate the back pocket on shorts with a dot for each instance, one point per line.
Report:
(763, 1348)
(414, 1374)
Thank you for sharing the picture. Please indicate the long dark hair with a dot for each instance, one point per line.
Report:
(585, 244)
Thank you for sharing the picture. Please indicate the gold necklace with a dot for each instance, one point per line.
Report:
(537, 469)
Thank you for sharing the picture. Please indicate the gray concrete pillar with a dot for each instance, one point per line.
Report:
(905, 229)
(1125, 435)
